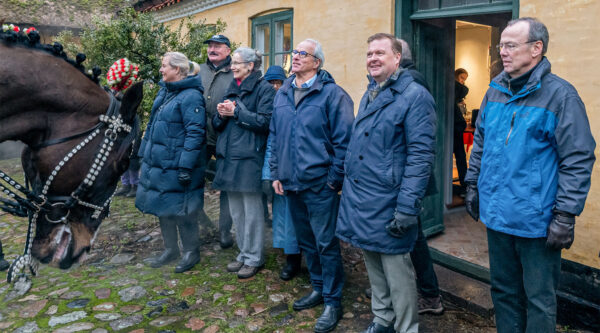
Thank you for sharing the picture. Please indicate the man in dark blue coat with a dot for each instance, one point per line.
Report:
(529, 176)
(310, 130)
(387, 168)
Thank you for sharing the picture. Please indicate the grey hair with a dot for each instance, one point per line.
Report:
(537, 31)
(318, 51)
(194, 68)
(250, 55)
(406, 54)
(179, 60)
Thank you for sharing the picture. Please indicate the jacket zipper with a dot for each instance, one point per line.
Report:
(512, 123)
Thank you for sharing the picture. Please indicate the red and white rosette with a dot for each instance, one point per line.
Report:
(122, 74)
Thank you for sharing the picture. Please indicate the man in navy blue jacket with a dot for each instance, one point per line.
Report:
(387, 168)
(310, 128)
(528, 177)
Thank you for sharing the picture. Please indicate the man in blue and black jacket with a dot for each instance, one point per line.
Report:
(310, 129)
(529, 175)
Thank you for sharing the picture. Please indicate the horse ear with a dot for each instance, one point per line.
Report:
(131, 100)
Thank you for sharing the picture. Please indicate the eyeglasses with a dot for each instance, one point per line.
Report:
(237, 63)
(303, 54)
(511, 46)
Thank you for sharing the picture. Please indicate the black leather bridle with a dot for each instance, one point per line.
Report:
(56, 209)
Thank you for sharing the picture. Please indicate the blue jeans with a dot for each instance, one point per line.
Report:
(284, 234)
(427, 282)
(314, 214)
(524, 276)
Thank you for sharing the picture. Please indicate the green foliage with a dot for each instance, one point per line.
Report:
(143, 40)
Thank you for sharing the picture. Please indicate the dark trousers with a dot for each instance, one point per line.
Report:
(427, 282)
(524, 277)
(460, 156)
(314, 215)
(188, 232)
(225, 221)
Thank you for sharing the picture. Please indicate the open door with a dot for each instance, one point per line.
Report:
(435, 59)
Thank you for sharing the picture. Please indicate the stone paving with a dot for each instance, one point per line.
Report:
(115, 291)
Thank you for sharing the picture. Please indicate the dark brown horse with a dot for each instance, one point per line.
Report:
(44, 101)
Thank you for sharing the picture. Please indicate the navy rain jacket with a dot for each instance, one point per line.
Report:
(532, 152)
(388, 164)
(309, 140)
(175, 138)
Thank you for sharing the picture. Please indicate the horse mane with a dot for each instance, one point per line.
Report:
(32, 41)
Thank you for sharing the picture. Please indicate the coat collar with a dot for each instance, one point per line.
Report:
(190, 82)
(385, 97)
(501, 81)
(323, 78)
(248, 85)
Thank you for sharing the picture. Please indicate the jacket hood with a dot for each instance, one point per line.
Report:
(501, 82)
(323, 78)
(190, 82)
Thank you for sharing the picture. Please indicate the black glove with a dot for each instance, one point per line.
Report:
(267, 189)
(400, 224)
(184, 176)
(561, 231)
(472, 201)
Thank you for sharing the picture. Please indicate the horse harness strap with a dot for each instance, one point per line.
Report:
(54, 206)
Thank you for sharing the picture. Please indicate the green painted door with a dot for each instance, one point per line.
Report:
(434, 60)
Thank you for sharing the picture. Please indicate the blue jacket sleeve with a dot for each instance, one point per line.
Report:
(477, 150)
(419, 129)
(266, 170)
(193, 115)
(272, 142)
(160, 96)
(575, 147)
(341, 116)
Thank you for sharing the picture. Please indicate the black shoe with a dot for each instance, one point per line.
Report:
(3, 264)
(122, 191)
(132, 192)
(378, 328)
(189, 260)
(292, 267)
(225, 239)
(164, 258)
(329, 319)
(309, 301)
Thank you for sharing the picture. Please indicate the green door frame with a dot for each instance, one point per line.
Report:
(408, 23)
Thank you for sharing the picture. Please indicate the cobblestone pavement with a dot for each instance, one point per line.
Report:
(115, 291)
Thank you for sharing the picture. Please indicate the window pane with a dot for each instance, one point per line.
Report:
(284, 60)
(262, 38)
(453, 3)
(472, 2)
(428, 4)
(283, 36)
(265, 64)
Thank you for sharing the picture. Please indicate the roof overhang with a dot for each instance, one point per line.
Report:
(164, 11)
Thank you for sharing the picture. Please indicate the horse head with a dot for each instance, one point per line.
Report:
(65, 233)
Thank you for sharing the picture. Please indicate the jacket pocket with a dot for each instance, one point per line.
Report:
(242, 144)
(536, 186)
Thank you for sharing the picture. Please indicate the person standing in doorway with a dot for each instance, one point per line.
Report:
(310, 130)
(387, 169)
(529, 176)
(460, 92)
(216, 77)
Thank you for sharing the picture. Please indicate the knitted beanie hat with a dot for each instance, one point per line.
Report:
(122, 74)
